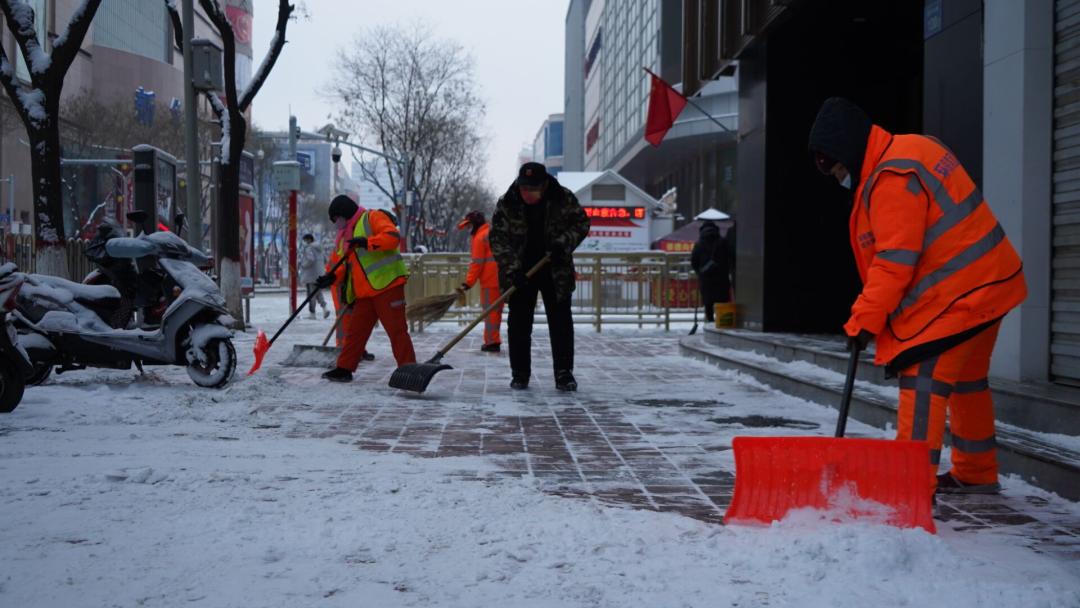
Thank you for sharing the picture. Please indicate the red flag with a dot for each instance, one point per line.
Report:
(665, 103)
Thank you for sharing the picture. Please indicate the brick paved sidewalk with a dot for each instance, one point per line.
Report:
(648, 430)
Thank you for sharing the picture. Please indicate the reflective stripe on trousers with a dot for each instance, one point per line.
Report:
(493, 321)
(954, 382)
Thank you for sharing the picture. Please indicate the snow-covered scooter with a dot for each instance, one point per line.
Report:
(15, 364)
(68, 326)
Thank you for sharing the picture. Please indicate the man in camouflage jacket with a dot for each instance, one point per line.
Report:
(538, 217)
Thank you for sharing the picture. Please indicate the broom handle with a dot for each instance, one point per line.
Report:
(498, 302)
(849, 387)
(337, 322)
(305, 302)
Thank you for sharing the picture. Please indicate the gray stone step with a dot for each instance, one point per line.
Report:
(1044, 408)
(1045, 461)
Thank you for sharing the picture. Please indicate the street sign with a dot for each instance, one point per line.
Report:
(286, 175)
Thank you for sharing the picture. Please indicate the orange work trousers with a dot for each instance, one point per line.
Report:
(494, 320)
(388, 308)
(954, 381)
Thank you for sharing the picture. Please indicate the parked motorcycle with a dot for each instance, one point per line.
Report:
(68, 326)
(15, 364)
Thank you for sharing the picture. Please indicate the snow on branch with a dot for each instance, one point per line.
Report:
(20, 19)
(276, 44)
(66, 45)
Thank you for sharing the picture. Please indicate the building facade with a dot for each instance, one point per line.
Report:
(547, 147)
(609, 46)
(993, 79)
(129, 56)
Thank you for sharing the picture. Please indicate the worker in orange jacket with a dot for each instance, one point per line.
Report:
(483, 269)
(372, 280)
(938, 276)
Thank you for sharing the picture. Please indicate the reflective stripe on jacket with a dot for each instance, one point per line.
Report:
(381, 265)
(932, 257)
(482, 266)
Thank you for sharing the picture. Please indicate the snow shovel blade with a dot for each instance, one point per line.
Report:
(415, 377)
(306, 355)
(882, 480)
(261, 346)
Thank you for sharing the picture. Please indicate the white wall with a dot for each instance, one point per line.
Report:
(1017, 145)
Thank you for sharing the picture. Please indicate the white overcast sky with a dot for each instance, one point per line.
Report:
(517, 46)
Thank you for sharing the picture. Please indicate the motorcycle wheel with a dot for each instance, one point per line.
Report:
(11, 386)
(42, 371)
(219, 367)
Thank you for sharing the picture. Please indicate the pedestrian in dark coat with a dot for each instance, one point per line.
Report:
(711, 263)
(537, 216)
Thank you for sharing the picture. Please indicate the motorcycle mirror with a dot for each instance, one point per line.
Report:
(138, 216)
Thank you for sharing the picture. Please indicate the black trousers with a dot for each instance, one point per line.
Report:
(520, 324)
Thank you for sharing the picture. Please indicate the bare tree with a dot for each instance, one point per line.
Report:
(230, 113)
(38, 106)
(415, 98)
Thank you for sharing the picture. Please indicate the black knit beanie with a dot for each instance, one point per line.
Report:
(840, 132)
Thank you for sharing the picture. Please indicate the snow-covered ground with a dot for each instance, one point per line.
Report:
(121, 490)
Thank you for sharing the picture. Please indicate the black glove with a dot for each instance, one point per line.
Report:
(462, 288)
(359, 242)
(519, 280)
(324, 281)
(861, 341)
(557, 255)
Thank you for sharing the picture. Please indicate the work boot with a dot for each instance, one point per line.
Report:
(338, 374)
(519, 383)
(947, 484)
(367, 356)
(494, 347)
(326, 313)
(564, 380)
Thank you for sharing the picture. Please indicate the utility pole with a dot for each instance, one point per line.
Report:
(293, 128)
(191, 133)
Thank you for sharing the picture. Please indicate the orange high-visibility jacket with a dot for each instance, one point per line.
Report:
(933, 259)
(482, 266)
(384, 236)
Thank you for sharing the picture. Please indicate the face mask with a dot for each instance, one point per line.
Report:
(530, 198)
(846, 182)
(340, 223)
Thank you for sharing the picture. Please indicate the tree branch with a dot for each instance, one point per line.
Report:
(276, 44)
(20, 22)
(177, 23)
(12, 86)
(66, 46)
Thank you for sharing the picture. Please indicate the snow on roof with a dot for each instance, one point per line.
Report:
(712, 214)
(576, 181)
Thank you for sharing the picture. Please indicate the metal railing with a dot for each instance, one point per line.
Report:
(19, 248)
(649, 288)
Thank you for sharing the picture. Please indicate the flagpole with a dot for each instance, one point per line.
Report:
(696, 106)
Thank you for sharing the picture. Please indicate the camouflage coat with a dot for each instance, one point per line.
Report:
(566, 226)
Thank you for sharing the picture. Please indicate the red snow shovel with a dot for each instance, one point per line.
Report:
(882, 480)
(262, 344)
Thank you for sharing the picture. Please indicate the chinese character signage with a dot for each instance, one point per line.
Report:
(634, 213)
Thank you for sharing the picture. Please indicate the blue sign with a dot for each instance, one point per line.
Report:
(307, 162)
(144, 106)
(176, 108)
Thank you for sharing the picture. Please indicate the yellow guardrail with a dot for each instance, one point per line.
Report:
(648, 288)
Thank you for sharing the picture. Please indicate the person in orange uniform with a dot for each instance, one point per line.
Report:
(372, 281)
(938, 276)
(483, 268)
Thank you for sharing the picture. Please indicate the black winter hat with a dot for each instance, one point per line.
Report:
(342, 206)
(709, 228)
(532, 174)
(840, 132)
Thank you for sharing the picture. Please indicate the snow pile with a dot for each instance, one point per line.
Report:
(128, 490)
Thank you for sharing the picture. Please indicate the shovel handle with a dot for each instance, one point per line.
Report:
(304, 303)
(498, 302)
(337, 323)
(849, 387)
